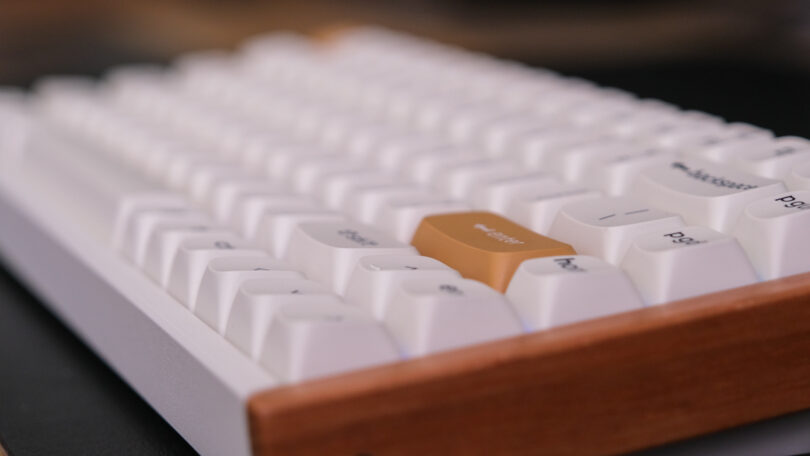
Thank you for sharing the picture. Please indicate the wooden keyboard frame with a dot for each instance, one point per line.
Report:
(606, 386)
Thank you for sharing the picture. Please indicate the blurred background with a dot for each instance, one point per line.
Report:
(744, 60)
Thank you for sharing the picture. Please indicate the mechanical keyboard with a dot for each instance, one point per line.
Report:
(374, 244)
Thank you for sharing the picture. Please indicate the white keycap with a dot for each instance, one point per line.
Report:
(690, 135)
(537, 209)
(534, 149)
(335, 189)
(130, 206)
(256, 302)
(306, 175)
(799, 177)
(402, 105)
(222, 280)
(156, 156)
(280, 163)
(192, 259)
(464, 125)
(500, 136)
(615, 173)
(141, 150)
(309, 120)
(433, 114)
(180, 167)
(276, 228)
(328, 252)
(253, 149)
(226, 196)
(425, 168)
(401, 217)
(647, 125)
(374, 96)
(336, 131)
(776, 160)
(605, 227)
(458, 182)
(689, 261)
(249, 211)
(726, 151)
(771, 231)
(164, 242)
(376, 278)
(747, 130)
(311, 340)
(496, 195)
(525, 93)
(394, 154)
(364, 204)
(143, 223)
(601, 114)
(204, 178)
(554, 291)
(431, 315)
(695, 119)
(557, 102)
(571, 162)
(246, 144)
(703, 193)
(374, 140)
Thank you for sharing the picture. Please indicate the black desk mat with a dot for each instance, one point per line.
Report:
(58, 398)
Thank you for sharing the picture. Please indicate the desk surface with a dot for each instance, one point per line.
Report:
(58, 398)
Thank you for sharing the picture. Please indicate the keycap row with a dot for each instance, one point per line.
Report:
(313, 313)
(718, 211)
(671, 187)
(414, 220)
(299, 315)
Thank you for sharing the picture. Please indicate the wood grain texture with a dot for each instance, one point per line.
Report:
(606, 386)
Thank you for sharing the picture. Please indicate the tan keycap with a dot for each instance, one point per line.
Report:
(483, 246)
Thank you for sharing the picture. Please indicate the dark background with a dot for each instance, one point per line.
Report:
(743, 60)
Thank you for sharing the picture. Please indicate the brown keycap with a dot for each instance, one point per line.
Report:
(483, 246)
